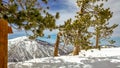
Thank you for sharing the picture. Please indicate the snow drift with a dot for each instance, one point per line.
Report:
(104, 52)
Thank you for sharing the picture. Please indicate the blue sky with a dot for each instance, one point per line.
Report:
(68, 9)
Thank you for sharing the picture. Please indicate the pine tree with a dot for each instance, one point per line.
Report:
(29, 15)
(76, 32)
(91, 14)
(99, 18)
(100, 22)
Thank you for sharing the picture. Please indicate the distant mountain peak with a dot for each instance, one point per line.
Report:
(22, 48)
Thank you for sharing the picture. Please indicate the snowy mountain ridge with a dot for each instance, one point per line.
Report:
(22, 48)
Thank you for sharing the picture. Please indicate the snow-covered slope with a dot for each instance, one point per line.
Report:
(22, 48)
(104, 52)
(104, 58)
(84, 55)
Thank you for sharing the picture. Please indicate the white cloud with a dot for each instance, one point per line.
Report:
(67, 13)
(64, 16)
(72, 9)
(114, 7)
(48, 32)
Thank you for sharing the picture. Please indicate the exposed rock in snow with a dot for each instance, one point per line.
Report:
(22, 48)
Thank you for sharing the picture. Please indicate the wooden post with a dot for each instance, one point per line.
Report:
(4, 30)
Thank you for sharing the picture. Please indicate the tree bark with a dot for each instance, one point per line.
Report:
(56, 46)
(76, 50)
(3, 43)
(97, 40)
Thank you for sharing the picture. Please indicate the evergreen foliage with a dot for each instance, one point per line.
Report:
(76, 32)
(29, 15)
(91, 14)
(100, 22)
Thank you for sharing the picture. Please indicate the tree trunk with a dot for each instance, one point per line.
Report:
(3, 43)
(56, 46)
(97, 40)
(4, 30)
(76, 50)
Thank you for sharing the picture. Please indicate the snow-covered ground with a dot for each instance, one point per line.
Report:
(104, 58)
(104, 52)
